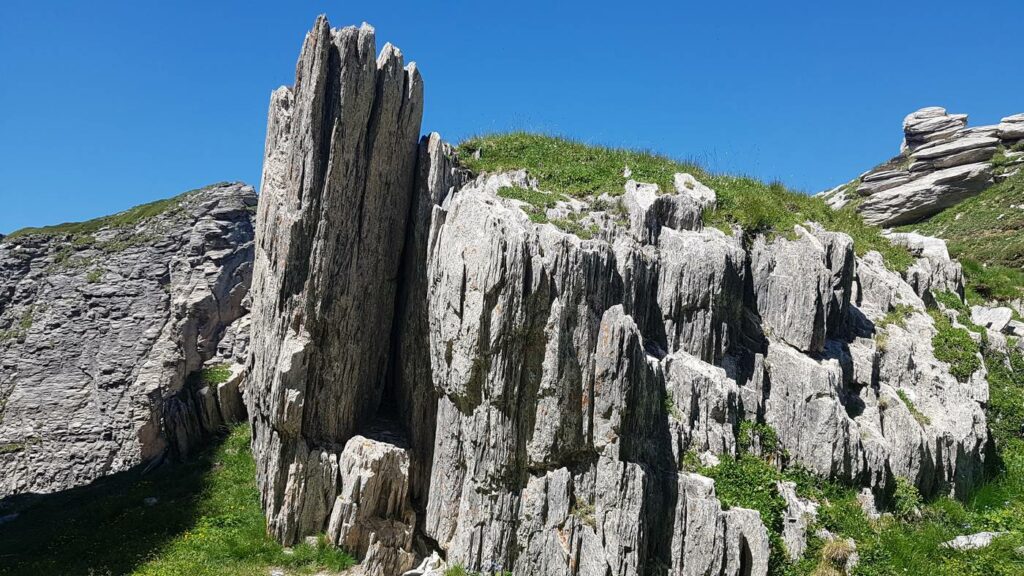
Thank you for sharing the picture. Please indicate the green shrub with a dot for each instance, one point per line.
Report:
(94, 276)
(757, 435)
(749, 482)
(955, 347)
(906, 498)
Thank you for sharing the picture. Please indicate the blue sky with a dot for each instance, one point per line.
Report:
(104, 105)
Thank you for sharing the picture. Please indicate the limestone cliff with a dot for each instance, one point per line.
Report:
(521, 396)
(101, 325)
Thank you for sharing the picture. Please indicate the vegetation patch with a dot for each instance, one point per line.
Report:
(213, 375)
(757, 437)
(571, 168)
(585, 513)
(897, 316)
(128, 218)
(955, 347)
(984, 233)
(920, 417)
(207, 521)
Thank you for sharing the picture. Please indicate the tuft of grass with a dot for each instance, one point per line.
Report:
(207, 521)
(94, 276)
(955, 347)
(567, 167)
(585, 513)
(216, 374)
(898, 316)
(11, 447)
(917, 414)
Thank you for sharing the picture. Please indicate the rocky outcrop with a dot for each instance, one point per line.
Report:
(941, 163)
(535, 396)
(103, 329)
(337, 186)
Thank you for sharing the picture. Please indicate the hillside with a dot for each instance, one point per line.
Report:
(520, 355)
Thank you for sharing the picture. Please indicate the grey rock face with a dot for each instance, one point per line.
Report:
(372, 516)
(101, 330)
(934, 271)
(540, 391)
(337, 186)
(926, 195)
(1011, 128)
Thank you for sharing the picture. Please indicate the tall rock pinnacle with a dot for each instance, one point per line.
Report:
(337, 183)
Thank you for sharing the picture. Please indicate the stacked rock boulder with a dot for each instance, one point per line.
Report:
(942, 162)
(100, 332)
(532, 396)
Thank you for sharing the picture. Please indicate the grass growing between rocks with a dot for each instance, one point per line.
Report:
(910, 540)
(563, 166)
(984, 233)
(206, 521)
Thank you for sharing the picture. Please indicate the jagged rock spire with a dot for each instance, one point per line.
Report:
(337, 182)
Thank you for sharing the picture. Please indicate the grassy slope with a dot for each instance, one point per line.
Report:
(207, 521)
(984, 233)
(124, 219)
(566, 167)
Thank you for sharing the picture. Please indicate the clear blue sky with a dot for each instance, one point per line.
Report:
(104, 105)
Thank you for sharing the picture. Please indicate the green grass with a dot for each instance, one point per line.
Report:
(921, 418)
(898, 316)
(955, 347)
(216, 374)
(129, 217)
(206, 522)
(984, 233)
(566, 167)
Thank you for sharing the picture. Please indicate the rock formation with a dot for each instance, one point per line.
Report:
(531, 396)
(101, 329)
(941, 163)
(337, 187)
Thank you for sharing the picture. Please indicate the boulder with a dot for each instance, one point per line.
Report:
(1011, 128)
(995, 319)
(927, 195)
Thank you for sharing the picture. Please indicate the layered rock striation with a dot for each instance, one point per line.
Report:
(104, 328)
(337, 189)
(434, 368)
(942, 162)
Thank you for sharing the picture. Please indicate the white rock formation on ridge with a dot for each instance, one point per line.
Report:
(941, 163)
(100, 331)
(544, 388)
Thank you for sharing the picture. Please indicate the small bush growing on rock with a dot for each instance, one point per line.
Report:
(906, 498)
(955, 347)
(758, 436)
